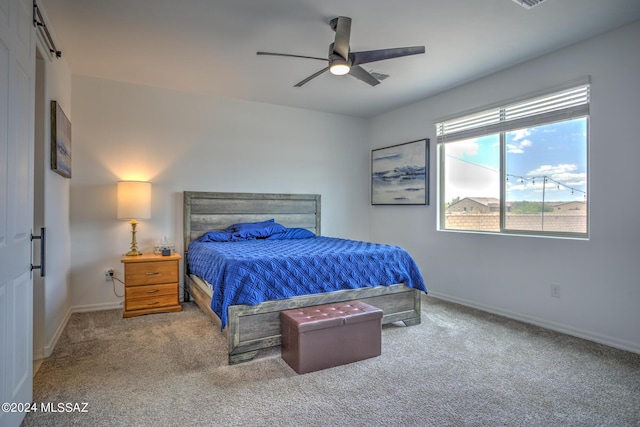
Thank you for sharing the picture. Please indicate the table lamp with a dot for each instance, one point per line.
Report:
(134, 203)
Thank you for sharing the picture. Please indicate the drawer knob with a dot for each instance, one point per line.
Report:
(153, 302)
(153, 273)
(153, 291)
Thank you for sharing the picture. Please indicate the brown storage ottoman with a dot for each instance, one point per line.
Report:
(325, 336)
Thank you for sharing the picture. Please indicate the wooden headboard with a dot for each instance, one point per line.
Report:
(205, 211)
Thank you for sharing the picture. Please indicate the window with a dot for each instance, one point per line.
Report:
(519, 168)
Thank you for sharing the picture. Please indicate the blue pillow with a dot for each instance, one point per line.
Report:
(255, 230)
(215, 236)
(292, 233)
(248, 225)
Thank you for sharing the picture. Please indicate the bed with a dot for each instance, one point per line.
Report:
(252, 327)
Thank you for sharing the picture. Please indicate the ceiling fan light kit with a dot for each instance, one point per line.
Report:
(342, 61)
(339, 67)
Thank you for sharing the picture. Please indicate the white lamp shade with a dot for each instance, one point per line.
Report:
(134, 200)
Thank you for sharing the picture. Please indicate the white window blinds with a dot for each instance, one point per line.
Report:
(557, 106)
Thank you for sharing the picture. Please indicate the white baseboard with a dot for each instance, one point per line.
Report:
(565, 329)
(44, 352)
(48, 349)
(38, 354)
(97, 307)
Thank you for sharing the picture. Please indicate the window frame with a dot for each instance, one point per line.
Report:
(494, 119)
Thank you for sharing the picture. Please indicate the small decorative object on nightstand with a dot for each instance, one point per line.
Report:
(150, 284)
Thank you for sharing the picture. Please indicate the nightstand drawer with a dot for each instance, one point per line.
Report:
(146, 273)
(151, 291)
(151, 302)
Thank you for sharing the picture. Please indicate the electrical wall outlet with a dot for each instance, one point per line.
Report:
(555, 291)
(108, 274)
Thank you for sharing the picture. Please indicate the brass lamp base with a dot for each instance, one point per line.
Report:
(134, 245)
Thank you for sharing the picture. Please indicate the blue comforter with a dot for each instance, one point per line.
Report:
(254, 271)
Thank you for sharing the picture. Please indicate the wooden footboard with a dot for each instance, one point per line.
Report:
(251, 328)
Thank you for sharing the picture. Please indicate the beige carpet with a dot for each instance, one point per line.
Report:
(460, 367)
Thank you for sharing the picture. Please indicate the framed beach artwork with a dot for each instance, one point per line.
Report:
(60, 141)
(400, 175)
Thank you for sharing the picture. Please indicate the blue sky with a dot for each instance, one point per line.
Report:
(557, 151)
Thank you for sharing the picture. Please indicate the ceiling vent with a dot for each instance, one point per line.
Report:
(378, 76)
(528, 4)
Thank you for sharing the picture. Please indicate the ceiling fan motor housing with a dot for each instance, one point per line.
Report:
(334, 23)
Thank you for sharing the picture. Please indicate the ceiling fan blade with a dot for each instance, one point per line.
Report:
(311, 77)
(361, 74)
(290, 55)
(367, 56)
(343, 33)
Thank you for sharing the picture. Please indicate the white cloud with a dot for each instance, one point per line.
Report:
(572, 179)
(563, 173)
(520, 134)
(553, 170)
(514, 149)
(518, 148)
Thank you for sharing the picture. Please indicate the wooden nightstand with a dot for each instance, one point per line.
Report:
(150, 284)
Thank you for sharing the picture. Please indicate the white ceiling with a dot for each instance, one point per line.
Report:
(209, 46)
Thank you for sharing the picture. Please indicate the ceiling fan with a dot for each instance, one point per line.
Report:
(342, 61)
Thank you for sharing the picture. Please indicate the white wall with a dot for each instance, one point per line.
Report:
(52, 294)
(183, 141)
(599, 278)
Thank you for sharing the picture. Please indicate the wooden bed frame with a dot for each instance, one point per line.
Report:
(251, 328)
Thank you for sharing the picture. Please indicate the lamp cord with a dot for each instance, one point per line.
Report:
(113, 282)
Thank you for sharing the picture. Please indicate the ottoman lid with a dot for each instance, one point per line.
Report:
(331, 315)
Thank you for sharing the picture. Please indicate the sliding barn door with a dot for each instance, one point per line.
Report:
(17, 70)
